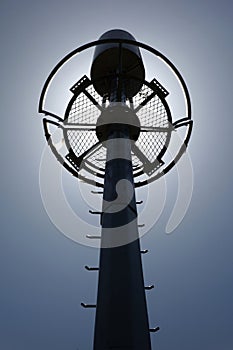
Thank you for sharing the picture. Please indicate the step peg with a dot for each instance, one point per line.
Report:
(93, 237)
(88, 306)
(141, 225)
(149, 287)
(89, 268)
(145, 251)
(139, 202)
(154, 330)
(95, 212)
(97, 192)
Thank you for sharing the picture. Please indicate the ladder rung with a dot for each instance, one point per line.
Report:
(88, 306)
(93, 237)
(149, 287)
(145, 251)
(154, 330)
(91, 268)
(95, 212)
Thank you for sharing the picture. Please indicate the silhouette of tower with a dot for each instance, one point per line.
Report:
(117, 128)
(121, 314)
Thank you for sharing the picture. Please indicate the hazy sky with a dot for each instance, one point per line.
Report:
(42, 273)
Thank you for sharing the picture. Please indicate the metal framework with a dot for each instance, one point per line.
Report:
(186, 121)
(141, 137)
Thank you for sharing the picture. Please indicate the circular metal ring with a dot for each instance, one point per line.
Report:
(157, 54)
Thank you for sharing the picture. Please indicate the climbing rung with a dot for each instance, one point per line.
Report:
(93, 237)
(139, 202)
(88, 306)
(145, 251)
(141, 225)
(95, 212)
(97, 192)
(154, 330)
(91, 268)
(149, 287)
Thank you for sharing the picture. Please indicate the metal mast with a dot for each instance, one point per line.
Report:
(121, 314)
(115, 131)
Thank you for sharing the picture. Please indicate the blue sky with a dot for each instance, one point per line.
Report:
(42, 273)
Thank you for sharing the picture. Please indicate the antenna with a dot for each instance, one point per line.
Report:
(117, 128)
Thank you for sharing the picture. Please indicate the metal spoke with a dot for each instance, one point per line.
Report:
(157, 129)
(81, 127)
(78, 160)
(143, 103)
(91, 98)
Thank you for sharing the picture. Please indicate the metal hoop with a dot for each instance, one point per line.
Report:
(174, 70)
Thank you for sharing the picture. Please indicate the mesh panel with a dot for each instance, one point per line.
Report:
(151, 144)
(98, 158)
(80, 141)
(142, 95)
(153, 114)
(83, 111)
(94, 94)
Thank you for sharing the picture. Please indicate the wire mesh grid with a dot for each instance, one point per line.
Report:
(144, 92)
(91, 90)
(83, 111)
(152, 114)
(81, 140)
(98, 158)
(150, 143)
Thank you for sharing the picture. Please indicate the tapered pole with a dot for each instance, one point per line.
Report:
(121, 314)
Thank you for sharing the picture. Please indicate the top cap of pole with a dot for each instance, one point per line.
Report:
(108, 60)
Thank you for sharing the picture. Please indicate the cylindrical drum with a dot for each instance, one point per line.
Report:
(109, 61)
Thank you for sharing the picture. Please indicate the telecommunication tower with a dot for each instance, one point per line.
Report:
(117, 127)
